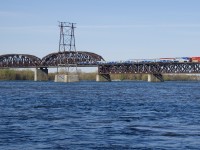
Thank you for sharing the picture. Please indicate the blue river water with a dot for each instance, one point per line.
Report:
(99, 115)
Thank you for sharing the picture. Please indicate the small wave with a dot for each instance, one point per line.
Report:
(172, 134)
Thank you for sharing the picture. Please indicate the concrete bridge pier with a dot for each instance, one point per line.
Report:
(97, 78)
(105, 77)
(155, 78)
(41, 74)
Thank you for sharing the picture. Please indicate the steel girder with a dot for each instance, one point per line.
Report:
(19, 61)
(149, 68)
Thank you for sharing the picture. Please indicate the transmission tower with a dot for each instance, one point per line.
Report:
(67, 38)
(67, 47)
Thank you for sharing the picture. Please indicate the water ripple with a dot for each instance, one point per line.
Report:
(90, 115)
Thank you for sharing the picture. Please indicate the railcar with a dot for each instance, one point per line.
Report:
(165, 60)
(195, 59)
(182, 59)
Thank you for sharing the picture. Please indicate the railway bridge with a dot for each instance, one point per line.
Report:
(53, 60)
(88, 59)
(153, 69)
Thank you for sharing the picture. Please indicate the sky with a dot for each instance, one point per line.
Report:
(114, 29)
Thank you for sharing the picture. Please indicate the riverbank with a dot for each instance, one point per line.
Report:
(8, 74)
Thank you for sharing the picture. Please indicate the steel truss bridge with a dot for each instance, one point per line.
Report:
(150, 68)
(156, 69)
(88, 59)
(80, 58)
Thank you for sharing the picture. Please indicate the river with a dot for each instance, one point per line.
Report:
(99, 115)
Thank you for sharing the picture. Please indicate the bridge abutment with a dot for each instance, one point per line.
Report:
(41, 74)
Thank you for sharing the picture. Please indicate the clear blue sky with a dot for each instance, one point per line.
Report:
(115, 29)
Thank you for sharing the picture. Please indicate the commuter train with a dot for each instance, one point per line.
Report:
(157, 60)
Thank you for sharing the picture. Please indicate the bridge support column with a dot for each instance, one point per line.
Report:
(36, 74)
(105, 76)
(155, 78)
(66, 78)
(97, 78)
(41, 74)
(151, 78)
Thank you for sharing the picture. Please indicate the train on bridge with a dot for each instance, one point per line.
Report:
(153, 67)
(156, 60)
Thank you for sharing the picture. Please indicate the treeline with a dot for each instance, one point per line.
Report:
(144, 77)
(7, 74)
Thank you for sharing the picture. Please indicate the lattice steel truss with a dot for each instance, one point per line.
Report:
(51, 60)
(81, 59)
(19, 61)
(67, 37)
(150, 68)
(67, 44)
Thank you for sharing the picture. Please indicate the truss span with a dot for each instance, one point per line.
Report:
(52, 60)
(19, 61)
(71, 57)
(150, 68)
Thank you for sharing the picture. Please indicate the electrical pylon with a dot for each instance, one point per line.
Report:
(67, 37)
(67, 43)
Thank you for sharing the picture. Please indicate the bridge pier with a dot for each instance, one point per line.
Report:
(105, 76)
(66, 78)
(41, 74)
(97, 78)
(155, 78)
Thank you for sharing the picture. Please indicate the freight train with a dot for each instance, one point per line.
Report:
(179, 59)
(157, 60)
